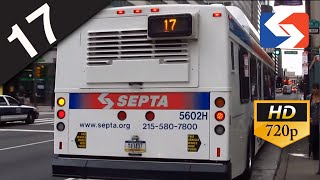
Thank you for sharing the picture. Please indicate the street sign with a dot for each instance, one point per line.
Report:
(290, 52)
(269, 50)
(281, 122)
(313, 30)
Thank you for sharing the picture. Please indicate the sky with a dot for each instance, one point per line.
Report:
(291, 62)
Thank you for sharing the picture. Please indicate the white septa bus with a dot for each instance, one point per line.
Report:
(160, 92)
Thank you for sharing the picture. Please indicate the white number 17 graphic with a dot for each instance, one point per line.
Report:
(18, 34)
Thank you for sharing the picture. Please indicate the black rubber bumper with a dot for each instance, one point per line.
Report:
(127, 169)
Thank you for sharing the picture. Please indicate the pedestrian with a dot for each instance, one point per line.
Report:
(314, 98)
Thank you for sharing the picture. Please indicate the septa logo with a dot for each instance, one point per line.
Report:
(281, 122)
(284, 30)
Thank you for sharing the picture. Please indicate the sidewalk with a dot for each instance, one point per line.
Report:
(266, 163)
(295, 163)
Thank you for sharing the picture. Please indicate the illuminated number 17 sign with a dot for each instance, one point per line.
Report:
(174, 25)
(170, 22)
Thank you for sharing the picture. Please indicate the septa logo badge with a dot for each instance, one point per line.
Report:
(284, 30)
(281, 122)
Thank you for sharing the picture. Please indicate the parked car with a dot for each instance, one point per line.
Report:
(279, 90)
(13, 110)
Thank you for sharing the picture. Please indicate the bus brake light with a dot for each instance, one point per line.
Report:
(60, 145)
(219, 116)
(61, 114)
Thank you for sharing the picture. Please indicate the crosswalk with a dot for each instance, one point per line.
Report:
(43, 121)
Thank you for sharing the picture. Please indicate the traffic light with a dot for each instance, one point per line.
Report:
(38, 72)
(277, 51)
(43, 72)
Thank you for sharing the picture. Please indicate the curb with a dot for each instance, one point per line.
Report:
(266, 163)
(281, 170)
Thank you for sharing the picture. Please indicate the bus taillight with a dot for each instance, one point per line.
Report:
(60, 145)
(61, 114)
(218, 152)
(150, 115)
(122, 115)
(219, 116)
(219, 102)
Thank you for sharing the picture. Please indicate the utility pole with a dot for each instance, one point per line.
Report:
(34, 85)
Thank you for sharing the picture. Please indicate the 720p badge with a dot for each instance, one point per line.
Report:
(281, 122)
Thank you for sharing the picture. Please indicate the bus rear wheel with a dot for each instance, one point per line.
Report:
(250, 155)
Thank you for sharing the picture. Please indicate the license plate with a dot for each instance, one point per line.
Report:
(135, 146)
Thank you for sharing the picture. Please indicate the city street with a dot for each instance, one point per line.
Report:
(32, 149)
(26, 150)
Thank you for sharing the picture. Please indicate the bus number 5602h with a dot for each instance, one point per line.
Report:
(193, 115)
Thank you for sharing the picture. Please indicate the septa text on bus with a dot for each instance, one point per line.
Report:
(136, 100)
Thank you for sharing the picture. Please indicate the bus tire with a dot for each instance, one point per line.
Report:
(250, 154)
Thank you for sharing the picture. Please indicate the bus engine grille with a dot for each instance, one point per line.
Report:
(103, 47)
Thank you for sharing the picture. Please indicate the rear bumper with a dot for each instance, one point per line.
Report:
(128, 169)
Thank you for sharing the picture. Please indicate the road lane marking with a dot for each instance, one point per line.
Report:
(46, 113)
(26, 130)
(42, 123)
(31, 144)
(44, 119)
(37, 122)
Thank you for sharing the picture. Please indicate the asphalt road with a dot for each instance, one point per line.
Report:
(26, 151)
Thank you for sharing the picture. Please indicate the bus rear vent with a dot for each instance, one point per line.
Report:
(104, 47)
